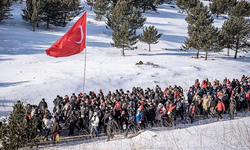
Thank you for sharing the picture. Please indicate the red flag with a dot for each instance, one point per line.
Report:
(73, 42)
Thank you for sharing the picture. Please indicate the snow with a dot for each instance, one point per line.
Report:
(219, 135)
(29, 75)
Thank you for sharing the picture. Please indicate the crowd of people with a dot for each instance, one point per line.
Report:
(140, 108)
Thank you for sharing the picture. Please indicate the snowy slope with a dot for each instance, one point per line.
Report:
(219, 135)
(28, 74)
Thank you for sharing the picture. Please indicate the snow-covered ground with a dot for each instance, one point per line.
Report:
(219, 135)
(28, 74)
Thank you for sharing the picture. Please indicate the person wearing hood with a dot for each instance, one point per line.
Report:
(158, 114)
(94, 124)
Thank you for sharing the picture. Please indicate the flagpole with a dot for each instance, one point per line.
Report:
(85, 59)
(84, 74)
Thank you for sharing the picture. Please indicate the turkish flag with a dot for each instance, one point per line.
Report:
(73, 42)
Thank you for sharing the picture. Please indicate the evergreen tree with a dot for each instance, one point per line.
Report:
(60, 12)
(100, 8)
(32, 12)
(123, 21)
(150, 36)
(69, 9)
(235, 33)
(20, 131)
(136, 20)
(186, 5)
(242, 8)
(145, 4)
(5, 9)
(218, 7)
(209, 39)
(202, 34)
(193, 29)
(50, 11)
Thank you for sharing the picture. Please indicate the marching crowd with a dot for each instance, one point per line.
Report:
(140, 108)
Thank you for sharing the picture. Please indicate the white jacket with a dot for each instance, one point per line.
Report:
(47, 123)
(95, 120)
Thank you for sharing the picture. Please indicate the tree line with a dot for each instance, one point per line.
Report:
(203, 35)
(55, 12)
(124, 18)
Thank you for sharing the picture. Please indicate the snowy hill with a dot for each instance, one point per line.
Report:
(219, 135)
(29, 75)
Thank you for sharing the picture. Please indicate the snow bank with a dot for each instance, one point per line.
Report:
(233, 134)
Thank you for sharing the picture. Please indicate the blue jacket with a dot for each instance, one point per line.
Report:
(138, 116)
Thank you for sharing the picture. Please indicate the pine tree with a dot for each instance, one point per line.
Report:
(235, 33)
(5, 9)
(186, 5)
(32, 12)
(137, 20)
(218, 7)
(202, 34)
(145, 5)
(124, 20)
(60, 12)
(242, 8)
(50, 11)
(19, 131)
(193, 29)
(100, 8)
(150, 36)
(209, 39)
(69, 9)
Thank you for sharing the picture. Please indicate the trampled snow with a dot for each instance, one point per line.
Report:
(28, 74)
(233, 134)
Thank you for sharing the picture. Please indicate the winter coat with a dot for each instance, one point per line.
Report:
(232, 107)
(179, 105)
(139, 116)
(159, 113)
(124, 118)
(206, 103)
(55, 127)
(82, 112)
(38, 118)
(95, 120)
(150, 113)
(46, 123)
(247, 96)
(57, 102)
(220, 106)
(42, 105)
(105, 118)
(192, 109)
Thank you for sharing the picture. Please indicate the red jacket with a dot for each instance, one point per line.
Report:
(220, 106)
(247, 95)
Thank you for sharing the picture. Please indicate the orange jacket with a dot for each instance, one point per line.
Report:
(220, 106)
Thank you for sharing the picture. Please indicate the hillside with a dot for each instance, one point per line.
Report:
(219, 135)
(28, 74)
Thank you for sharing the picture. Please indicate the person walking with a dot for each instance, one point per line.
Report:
(94, 124)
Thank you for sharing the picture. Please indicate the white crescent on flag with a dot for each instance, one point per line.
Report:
(82, 35)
